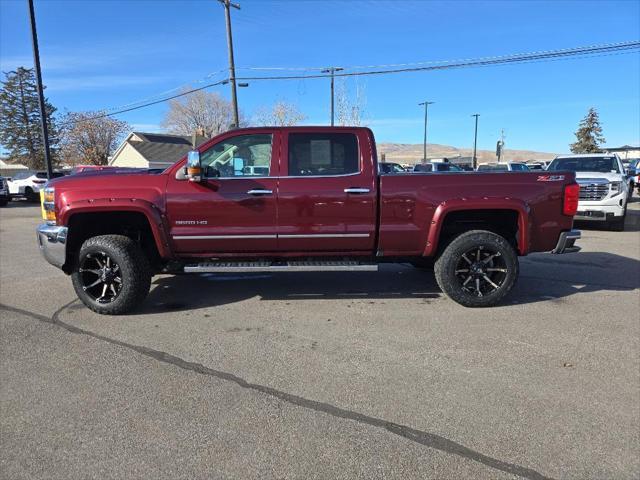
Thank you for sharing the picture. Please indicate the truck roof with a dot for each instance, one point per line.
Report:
(301, 127)
(587, 155)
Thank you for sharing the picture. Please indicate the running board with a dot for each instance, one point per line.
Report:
(284, 266)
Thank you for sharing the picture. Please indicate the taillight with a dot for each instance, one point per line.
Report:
(39, 182)
(571, 198)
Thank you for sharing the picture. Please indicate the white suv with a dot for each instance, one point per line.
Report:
(28, 184)
(604, 188)
(503, 167)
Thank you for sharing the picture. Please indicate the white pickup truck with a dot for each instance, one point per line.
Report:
(604, 189)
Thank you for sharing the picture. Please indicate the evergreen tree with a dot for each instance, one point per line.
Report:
(20, 131)
(589, 135)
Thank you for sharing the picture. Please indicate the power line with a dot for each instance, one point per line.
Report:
(549, 55)
(439, 62)
(148, 104)
(486, 61)
(166, 92)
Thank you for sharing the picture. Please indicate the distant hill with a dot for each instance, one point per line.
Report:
(412, 153)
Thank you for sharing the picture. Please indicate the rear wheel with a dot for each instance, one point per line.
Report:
(4, 201)
(477, 269)
(112, 275)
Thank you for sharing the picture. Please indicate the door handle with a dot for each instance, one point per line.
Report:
(258, 191)
(356, 190)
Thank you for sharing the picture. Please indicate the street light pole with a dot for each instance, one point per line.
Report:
(332, 71)
(43, 109)
(426, 107)
(475, 142)
(232, 68)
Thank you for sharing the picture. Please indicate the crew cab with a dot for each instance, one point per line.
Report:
(299, 199)
(604, 187)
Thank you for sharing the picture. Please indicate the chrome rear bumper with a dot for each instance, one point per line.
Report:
(52, 241)
(566, 242)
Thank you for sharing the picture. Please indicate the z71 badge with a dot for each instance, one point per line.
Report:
(550, 178)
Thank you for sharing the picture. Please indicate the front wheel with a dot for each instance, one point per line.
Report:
(477, 269)
(112, 275)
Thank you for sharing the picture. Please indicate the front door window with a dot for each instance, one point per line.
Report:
(241, 156)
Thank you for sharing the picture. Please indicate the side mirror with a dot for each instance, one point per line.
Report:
(194, 168)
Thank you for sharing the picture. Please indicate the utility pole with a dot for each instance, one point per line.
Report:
(43, 110)
(232, 68)
(426, 107)
(475, 142)
(332, 71)
(500, 145)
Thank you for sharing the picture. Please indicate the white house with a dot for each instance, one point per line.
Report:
(152, 150)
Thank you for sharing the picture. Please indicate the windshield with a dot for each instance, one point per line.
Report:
(22, 175)
(423, 167)
(586, 164)
(502, 168)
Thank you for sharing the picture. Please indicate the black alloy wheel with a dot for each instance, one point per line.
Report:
(481, 271)
(100, 277)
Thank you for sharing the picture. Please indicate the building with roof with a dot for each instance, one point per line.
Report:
(10, 169)
(152, 150)
(625, 152)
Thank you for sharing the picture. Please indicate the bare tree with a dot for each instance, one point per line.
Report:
(281, 114)
(200, 111)
(349, 108)
(90, 140)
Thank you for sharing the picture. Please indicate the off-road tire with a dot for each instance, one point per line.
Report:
(450, 258)
(133, 265)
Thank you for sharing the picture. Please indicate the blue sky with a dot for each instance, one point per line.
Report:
(98, 54)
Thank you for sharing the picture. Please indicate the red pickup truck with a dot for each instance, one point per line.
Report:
(299, 199)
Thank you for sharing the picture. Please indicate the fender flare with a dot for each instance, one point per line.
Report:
(484, 203)
(156, 219)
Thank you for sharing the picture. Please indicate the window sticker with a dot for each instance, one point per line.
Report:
(320, 152)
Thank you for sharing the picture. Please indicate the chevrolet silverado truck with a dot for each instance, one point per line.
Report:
(299, 199)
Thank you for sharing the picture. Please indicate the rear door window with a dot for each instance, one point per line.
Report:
(323, 154)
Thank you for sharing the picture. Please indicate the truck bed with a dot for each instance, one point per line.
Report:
(414, 207)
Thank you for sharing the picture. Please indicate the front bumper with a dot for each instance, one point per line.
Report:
(52, 241)
(566, 242)
(603, 210)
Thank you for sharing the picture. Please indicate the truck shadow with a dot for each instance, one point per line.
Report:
(543, 277)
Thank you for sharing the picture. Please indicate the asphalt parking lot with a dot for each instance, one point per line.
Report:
(327, 375)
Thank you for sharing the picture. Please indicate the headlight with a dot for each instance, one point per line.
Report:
(47, 199)
(616, 187)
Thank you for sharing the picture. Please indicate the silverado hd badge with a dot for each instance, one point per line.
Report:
(191, 222)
